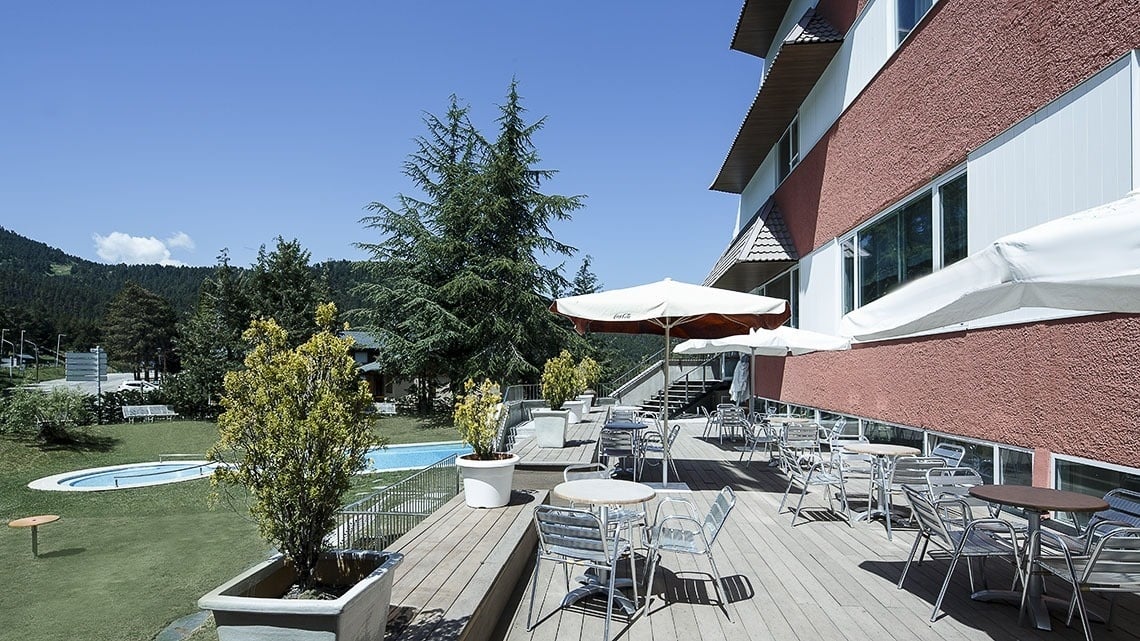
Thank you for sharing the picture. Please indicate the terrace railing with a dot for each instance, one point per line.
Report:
(372, 523)
(515, 399)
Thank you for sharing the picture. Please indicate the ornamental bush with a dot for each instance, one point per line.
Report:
(560, 380)
(294, 431)
(478, 412)
(589, 372)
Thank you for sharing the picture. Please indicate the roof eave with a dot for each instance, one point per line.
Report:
(758, 25)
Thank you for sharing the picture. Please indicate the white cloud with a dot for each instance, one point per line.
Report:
(118, 247)
(180, 240)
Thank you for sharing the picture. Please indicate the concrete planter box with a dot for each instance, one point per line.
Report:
(588, 399)
(550, 427)
(249, 607)
(577, 410)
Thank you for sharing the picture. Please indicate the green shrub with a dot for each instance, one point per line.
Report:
(48, 416)
(477, 414)
(589, 372)
(560, 380)
(294, 432)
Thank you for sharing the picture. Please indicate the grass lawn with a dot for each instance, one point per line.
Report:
(123, 564)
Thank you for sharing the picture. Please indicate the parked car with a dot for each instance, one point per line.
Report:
(138, 386)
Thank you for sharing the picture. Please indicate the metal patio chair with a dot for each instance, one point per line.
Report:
(1112, 566)
(950, 453)
(809, 471)
(570, 536)
(613, 516)
(688, 534)
(947, 524)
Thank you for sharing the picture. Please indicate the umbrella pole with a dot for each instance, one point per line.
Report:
(665, 415)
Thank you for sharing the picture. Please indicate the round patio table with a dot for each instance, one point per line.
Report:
(1035, 501)
(881, 469)
(34, 522)
(604, 492)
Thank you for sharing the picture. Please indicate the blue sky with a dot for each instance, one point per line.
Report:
(154, 131)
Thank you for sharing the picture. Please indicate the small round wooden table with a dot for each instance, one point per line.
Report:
(882, 452)
(34, 522)
(1035, 501)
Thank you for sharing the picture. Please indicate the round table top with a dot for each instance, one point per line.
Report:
(1039, 498)
(33, 521)
(881, 449)
(624, 425)
(604, 492)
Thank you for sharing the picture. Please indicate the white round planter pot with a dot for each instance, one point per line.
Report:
(487, 483)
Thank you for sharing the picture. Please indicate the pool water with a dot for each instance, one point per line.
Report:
(124, 476)
(410, 457)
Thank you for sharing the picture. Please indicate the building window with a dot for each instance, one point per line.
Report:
(900, 246)
(910, 13)
(787, 287)
(789, 151)
(1089, 479)
(952, 197)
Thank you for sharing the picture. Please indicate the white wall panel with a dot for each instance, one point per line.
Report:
(821, 292)
(872, 41)
(761, 186)
(1073, 154)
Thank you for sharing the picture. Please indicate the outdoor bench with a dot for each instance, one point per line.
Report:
(147, 412)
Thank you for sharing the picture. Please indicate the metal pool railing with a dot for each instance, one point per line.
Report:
(373, 522)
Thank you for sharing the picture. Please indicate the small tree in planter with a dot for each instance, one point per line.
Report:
(487, 474)
(295, 419)
(590, 373)
(560, 380)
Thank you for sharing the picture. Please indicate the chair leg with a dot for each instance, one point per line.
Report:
(785, 499)
(1080, 598)
(717, 586)
(913, 549)
(942, 592)
(610, 592)
(533, 590)
(653, 558)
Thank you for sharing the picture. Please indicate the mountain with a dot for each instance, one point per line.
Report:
(47, 292)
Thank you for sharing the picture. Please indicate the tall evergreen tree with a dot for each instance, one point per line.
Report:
(585, 281)
(283, 286)
(210, 342)
(504, 290)
(457, 285)
(139, 329)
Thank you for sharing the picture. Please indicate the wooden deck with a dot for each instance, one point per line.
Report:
(819, 580)
(581, 443)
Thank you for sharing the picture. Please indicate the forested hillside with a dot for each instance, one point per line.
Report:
(47, 292)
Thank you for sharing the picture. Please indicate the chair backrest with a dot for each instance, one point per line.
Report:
(951, 481)
(1123, 506)
(586, 471)
(801, 435)
(926, 516)
(950, 453)
(571, 532)
(623, 414)
(616, 440)
(718, 513)
(1115, 561)
(911, 470)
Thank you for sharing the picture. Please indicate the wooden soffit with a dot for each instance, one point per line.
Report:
(791, 75)
(758, 25)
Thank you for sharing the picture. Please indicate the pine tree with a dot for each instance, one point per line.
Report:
(585, 282)
(139, 329)
(283, 286)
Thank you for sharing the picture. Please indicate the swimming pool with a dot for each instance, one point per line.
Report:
(123, 476)
(411, 457)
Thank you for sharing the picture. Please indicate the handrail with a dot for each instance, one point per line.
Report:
(620, 381)
(146, 474)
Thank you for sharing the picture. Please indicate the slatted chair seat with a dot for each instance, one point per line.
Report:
(808, 471)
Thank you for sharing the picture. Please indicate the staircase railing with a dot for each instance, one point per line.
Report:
(653, 360)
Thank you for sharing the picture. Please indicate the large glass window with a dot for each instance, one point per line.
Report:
(900, 246)
(953, 202)
(910, 12)
(1092, 480)
(789, 151)
(785, 286)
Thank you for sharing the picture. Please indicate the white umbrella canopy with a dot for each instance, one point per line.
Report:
(782, 341)
(672, 308)
(1089, 261)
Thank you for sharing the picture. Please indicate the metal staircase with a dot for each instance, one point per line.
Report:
(684, 395)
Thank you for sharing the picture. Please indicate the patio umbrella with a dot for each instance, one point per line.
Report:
(1089, 261)
(782, 341)
(671, 308)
